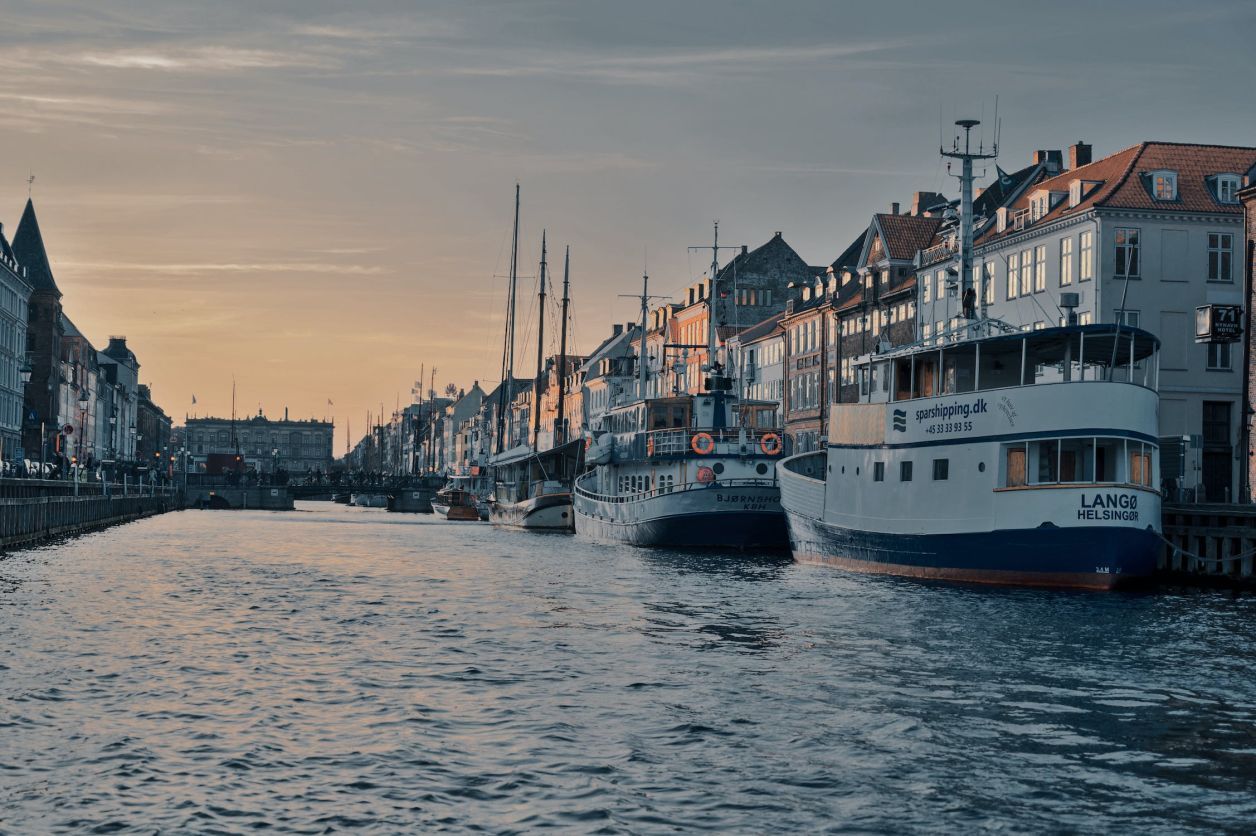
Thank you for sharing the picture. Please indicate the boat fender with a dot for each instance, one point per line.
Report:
(770, 444)
(702, 444)
(706, 475)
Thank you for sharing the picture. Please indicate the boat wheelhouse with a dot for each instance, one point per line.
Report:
(533, 489)
(1024, 458)
(688, 470)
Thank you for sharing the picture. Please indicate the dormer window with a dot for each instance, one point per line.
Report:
(1164, 185)
(1039, 205)
(1227, 188)
(1074, 193)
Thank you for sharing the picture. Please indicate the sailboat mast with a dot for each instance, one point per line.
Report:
(540, 354)
(508, 347)
(645, 306)
(560, 424)
(418, 417)
(712, 295)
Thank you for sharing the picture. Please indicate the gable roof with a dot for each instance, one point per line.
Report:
(903, 236)
(28, 246)
(1122, 181)
(751, 260)
(761, 330)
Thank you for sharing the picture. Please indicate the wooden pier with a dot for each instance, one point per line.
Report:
(1211, 542)
(27, 520)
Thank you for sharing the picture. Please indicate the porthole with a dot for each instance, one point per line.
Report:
(718, 467)
(761, 468)
(856, 471)
(843, 469)
(981, 467)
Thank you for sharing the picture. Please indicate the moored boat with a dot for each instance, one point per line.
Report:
(1024, 458)
(455, 504)
(533, 490)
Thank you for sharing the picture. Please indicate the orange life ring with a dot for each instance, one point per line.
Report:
(649, 445)
(770, 444)
(588, 442)
(702, 444)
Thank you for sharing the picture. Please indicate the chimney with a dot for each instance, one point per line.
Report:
(1079, 155)
(894, 208)
(778, 234)
(285, 413)
(617, 329)
(743, 246)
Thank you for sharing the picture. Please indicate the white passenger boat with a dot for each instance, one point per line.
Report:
(1022, 458)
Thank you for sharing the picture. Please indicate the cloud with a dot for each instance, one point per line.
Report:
(675, 66)
(193, 268)
(205, 58)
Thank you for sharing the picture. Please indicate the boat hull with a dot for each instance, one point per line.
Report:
(552, 512)
(742, 517)
(1085, 558)
(456, 513)
(411, 501)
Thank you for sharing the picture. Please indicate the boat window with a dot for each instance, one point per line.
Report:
(904, 471)
(1015, 467)
(941, 469)
(878, 471)
(1140, 464)
(1048, 455)
(926, 376)
(902, 378)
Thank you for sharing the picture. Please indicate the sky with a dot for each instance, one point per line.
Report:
(314, 198)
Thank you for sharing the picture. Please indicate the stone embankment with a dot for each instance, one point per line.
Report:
(36, 510)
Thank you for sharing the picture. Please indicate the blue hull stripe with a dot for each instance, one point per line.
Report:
(982, 439)
(741, 530)
(1096, 557)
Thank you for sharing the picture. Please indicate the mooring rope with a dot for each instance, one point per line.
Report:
(1179, 550)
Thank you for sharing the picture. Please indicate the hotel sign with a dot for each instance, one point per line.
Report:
(1218, 323)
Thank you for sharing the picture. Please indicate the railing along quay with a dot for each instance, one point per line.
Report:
(33, 510)
(1210, 542)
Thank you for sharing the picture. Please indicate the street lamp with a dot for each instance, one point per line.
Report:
(25, 372)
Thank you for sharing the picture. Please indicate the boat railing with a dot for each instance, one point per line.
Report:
(638, 496)
(808, 465)
(686, 440)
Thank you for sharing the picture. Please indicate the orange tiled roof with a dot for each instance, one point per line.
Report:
(1122, 180)
(905, 234)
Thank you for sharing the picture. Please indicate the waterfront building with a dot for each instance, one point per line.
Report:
(1247, 198)
(77, 396)
(297, 446)
(606, 376)
(43, 339)
(152, 445)
(758, 353)
(15, 292)
(1141, 237)
(121, 371)
(754, 285)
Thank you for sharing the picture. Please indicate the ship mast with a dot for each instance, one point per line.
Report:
(540, 354)
(508, 343)
(966, 157)
(645, 306)
(560, 425)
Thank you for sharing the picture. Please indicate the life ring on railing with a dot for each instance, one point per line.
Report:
(588, 442)
(770, 444)
(649, 445)
(702, 444)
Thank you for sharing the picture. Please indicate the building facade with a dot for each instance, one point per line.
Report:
(1142, 237)
(15, 294)
(268, 445)
(43, 341)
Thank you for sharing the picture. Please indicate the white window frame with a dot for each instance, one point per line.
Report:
(1220, 357)
(1040, 268)
(1134, 242)
(1066, 261)
(1013, 276)
(1086, 255)
(1221, 252)
(1228, 186)
(1026, 272)
(1166, 178)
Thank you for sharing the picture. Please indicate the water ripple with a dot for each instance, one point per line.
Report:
(346, 669)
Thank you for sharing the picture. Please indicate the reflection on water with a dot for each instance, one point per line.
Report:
(346, 668)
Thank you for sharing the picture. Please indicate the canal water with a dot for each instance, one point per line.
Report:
(340, 668)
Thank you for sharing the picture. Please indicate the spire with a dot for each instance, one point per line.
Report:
(28, 246)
